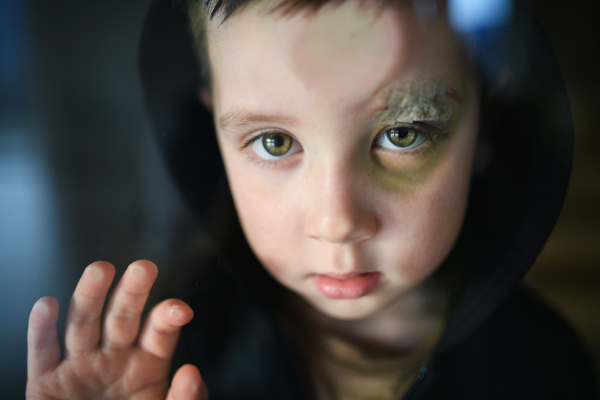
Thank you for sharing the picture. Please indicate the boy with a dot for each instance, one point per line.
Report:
(348, 132)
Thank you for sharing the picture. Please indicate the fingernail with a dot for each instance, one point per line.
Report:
(138, 270)
(175, 311)
(40, 307)
(95, 273)
(179, 305)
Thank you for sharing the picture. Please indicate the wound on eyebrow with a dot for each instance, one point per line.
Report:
(417, 100)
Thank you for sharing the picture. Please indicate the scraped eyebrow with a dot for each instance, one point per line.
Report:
(239, 118)
(418, 100)
(452, 96)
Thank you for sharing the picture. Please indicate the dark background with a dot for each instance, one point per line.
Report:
(568, 270)
(81, 178)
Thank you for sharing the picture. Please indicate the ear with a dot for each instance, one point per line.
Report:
(205, 97)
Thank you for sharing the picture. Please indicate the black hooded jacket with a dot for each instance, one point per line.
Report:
(500, 341)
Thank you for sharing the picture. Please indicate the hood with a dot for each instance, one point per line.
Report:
(526, 140)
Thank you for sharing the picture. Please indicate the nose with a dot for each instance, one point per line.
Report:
(338, 210)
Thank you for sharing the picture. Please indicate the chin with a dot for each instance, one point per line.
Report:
(349, 309)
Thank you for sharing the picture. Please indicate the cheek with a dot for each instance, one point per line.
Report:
(269, 217)
(425, 230)
(419, 234)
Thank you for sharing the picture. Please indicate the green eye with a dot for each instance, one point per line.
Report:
(277, 144)
(402, 136)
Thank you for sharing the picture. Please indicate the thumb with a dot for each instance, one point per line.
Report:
(187, 385)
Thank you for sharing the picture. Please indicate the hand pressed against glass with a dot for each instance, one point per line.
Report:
(348, 137)
(107, 360)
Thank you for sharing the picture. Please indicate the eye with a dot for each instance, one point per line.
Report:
(401, 138)
(275, 145)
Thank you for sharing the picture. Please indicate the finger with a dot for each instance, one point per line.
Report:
(122, 321)
(82, 333)
(187, 385)
(161, 330)
(43, 350)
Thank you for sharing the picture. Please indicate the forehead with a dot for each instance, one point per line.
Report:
(346, 53)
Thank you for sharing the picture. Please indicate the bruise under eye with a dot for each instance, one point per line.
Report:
(277, 144)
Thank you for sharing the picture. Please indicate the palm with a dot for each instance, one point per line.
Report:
(112, 362)
(84, 377)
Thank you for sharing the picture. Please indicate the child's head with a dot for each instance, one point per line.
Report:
(348, 136)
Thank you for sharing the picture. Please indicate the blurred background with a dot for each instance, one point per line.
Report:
(82, 180)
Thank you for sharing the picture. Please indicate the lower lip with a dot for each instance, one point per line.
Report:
(347, 288)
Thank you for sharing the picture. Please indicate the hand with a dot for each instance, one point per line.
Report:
(105, 361)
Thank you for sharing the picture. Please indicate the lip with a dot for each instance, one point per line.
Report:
(347, 286)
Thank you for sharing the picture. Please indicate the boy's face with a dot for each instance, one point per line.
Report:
(344, 205)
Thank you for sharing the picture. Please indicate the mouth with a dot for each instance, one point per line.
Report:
(347, 286)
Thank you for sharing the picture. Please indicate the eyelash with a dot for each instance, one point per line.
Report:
(253, 138)
(265, 163)
(423, 128)
(429, 131)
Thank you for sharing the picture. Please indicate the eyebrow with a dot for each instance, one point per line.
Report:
(416, 100)
(238, 118)
(450, 94)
